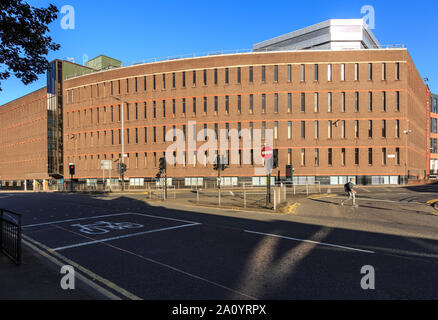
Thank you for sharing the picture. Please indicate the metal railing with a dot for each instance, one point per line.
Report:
(10, 235)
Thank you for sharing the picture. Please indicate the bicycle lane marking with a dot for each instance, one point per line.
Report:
(118, 237)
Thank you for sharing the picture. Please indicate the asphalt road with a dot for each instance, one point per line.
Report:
(137, 250)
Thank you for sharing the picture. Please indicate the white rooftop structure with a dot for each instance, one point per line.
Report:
(334, 34)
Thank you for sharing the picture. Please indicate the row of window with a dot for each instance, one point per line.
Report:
(132, 135)
(305, 155)
(134, 85)
(133, 111)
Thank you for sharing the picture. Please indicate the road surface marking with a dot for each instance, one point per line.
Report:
(107, 215)
(60, 260)
(309, 241)
(123, 236)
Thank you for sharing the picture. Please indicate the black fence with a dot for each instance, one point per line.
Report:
(10, 235)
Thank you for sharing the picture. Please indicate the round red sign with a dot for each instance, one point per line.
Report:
(266, 152)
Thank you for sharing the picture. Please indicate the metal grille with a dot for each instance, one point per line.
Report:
(10, 235)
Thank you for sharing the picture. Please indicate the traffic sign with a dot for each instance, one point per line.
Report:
(267, 152)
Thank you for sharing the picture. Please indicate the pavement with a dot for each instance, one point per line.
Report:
(128, 247)
(38, 279)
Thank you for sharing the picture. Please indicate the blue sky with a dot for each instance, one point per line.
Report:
(132, 31)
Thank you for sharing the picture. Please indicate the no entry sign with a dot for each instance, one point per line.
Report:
(266, 152)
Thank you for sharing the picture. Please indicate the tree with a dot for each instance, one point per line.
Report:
(24, 42)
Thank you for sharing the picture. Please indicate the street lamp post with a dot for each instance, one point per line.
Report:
(406, 179)
(122, 172)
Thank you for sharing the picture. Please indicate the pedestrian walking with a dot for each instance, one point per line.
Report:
(351, 193)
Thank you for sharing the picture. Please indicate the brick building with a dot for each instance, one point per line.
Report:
(334, 114)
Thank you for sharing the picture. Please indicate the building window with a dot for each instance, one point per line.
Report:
(276, 102)
(263, 73)
(251, 74)
(329, 72)
(316, 157)
(145, 134)
(194, 105)
(303, 72)
(155, 134)
(356, 128)
(205, 105)
(184, 106)
(433, 125)
(173, 106)
(370, 128)
(251, 130)
(155, 109)
(370, 101)
(227, 74)
(303, 157)
(238, 75)
(330, 129)
(316, 124)
(356, 71)
(397, 101)
(343, 72)
(329, 102)
(164, 81)
(343, 157)
(173, 80)
(239, 103)
(276, 130)
(384, 101)
(343, 102)
(384, 156)
(330, 156)
(356, 101)
(251, 103)
(433, 145)
(383, 71)
(263, 103)
(289, 73)
(397, 71)
(370, 71)
(194, 77)
(397, 128)
(264, 130)
(434, 107)
(289, 157)
(215, 76)
(343, 129)
(316, 77)
(303, 102)
(205, 77)
(155, 82)
(383, 128)
(216, 104)
(397, 156)
(289, 102)
(370, 156)
(315, 104)
(275, 73)
(227, 104)
(303, 129)
(289, 129)
(136, 135)
(356, 156)
(164, 108)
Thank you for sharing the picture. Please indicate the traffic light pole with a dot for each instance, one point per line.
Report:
(165, 184)
(219, 182)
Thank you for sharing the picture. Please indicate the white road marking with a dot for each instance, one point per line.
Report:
(123, 236)
(309, 241)
(107, 215)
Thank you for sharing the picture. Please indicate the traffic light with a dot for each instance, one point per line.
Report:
(121, 167)
(217, 163)
(275, 159)
(162, 164)
(71, 168)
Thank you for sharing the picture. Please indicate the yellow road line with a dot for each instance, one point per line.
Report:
(432, 201)
(50, 254)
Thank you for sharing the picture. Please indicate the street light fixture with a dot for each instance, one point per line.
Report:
(123, 140)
